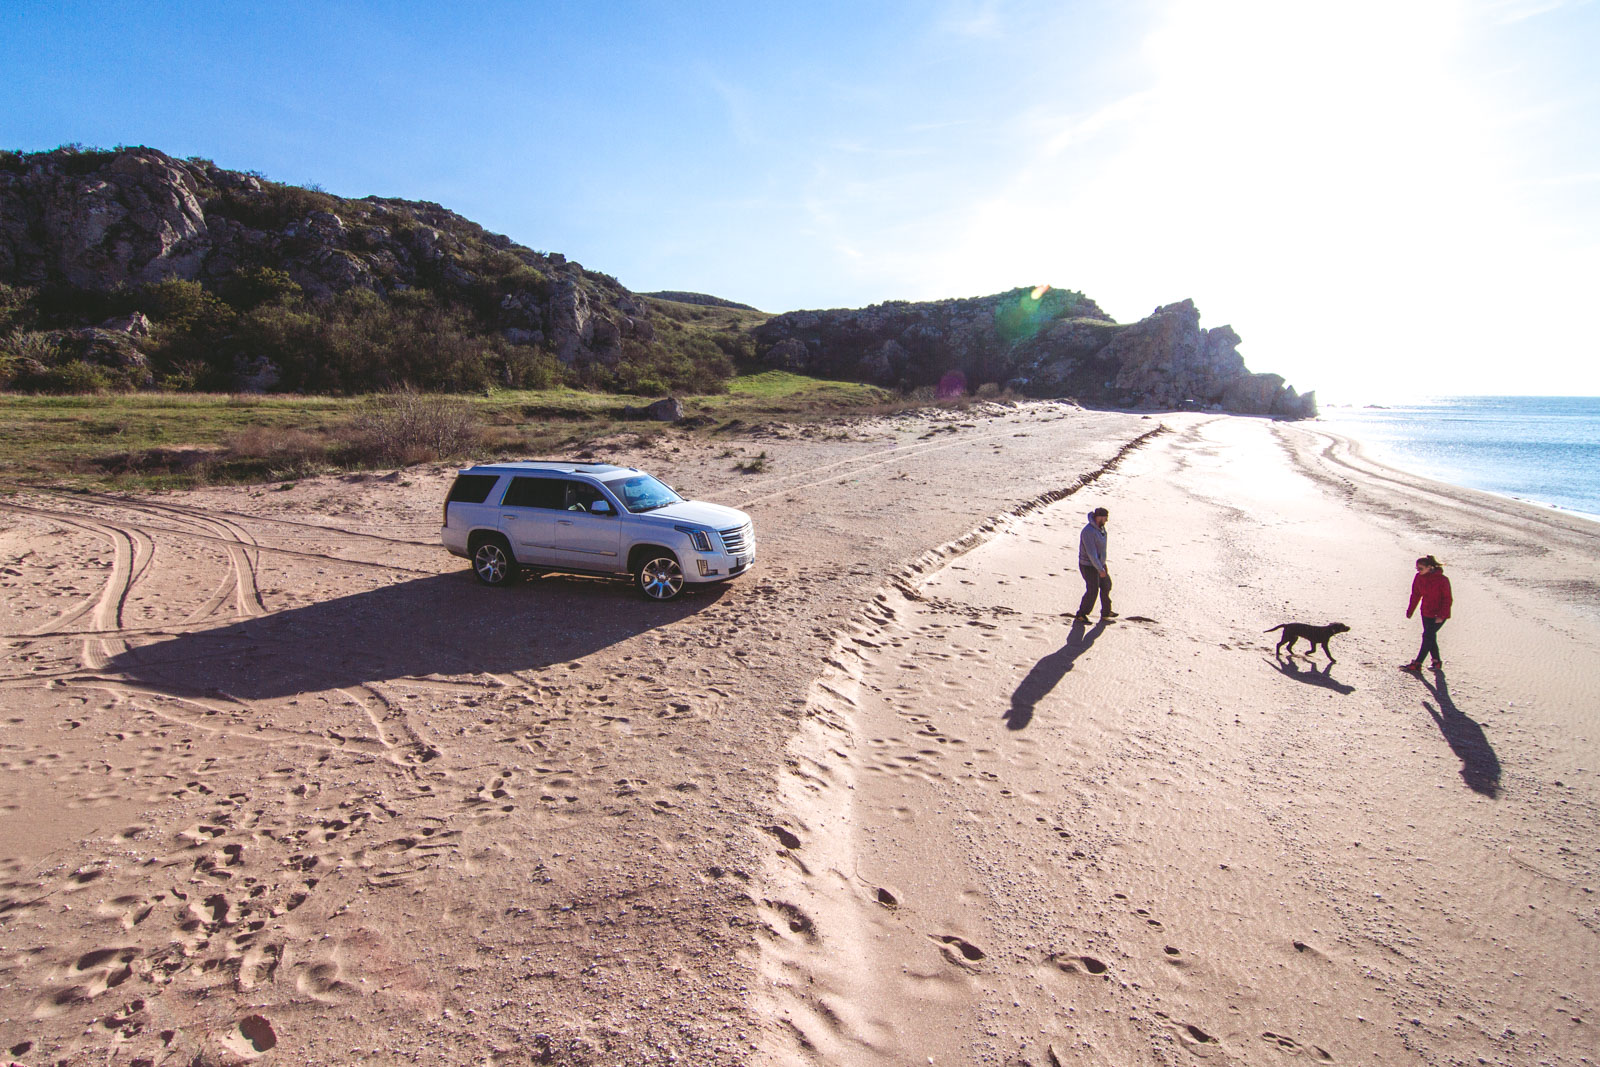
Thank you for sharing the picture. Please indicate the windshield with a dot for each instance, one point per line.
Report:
(642, 493)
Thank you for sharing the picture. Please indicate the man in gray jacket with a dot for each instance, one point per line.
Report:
(1092, 565)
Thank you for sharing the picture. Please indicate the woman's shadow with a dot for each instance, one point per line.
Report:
(1048, 672)
(1480, 767)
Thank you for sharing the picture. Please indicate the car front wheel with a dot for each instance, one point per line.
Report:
(659, 577)
(493, 564)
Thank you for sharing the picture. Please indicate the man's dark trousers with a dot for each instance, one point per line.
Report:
(1095, 584)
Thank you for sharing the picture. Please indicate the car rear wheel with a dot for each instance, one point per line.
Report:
(659, 577)
(493, 564)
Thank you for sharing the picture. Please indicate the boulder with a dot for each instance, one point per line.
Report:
(134, 325)
(669, 409)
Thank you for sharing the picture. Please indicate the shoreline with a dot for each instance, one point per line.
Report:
(1393, 454)
(1365, 449)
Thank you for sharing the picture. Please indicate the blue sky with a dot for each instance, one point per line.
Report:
(1381, 197)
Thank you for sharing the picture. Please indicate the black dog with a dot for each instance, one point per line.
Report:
(1315, 635)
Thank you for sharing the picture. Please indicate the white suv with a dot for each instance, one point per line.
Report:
(592, 518)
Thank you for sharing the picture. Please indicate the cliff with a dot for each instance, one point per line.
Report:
(1042, 342)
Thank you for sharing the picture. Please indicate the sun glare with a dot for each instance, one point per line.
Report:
(1325, 178)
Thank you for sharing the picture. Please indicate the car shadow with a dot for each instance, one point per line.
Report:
(1048, 672)
(1310, 674)
(446, 624)
(1480, 767)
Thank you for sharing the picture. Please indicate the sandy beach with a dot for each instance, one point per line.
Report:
(283, 784)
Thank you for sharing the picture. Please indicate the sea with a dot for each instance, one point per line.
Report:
(1540, 449)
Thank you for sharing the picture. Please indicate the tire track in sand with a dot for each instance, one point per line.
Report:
(131, 554)
(255, 547)
(819, 990)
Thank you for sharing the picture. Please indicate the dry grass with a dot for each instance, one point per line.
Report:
(407, 427)
(165, 440)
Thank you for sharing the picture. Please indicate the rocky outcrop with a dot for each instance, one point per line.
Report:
(1046, 343)
(1168, 361)
(104, 221)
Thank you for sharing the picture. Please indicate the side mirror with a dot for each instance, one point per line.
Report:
(600, 507)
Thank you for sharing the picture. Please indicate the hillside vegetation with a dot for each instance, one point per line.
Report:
(131, 270)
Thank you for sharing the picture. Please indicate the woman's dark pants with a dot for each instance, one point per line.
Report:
(1430, 639)
(1097, 584)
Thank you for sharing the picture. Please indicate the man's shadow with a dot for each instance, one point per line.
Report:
(441, 625)
(1048, 672)
(1480, 767)
(1311, 675)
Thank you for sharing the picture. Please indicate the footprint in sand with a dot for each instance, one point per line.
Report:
(129, 910)
(90, 975)
(253, 964)
(1190, 1034)
(957, 949)
(323, 982)
(250, 1037)
(1290, 1045)
(1068, 964)
(787, 838)
(128, 1020)
(787, 916)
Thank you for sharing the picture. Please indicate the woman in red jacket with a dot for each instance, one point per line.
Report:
(1431, 589)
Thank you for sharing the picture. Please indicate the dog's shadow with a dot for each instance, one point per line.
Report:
(1311, 674)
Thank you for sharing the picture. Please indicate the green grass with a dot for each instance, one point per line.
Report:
(776, 391)
(160, 440)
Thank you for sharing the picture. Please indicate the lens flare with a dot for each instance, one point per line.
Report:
(953, 384)
(1040, 290)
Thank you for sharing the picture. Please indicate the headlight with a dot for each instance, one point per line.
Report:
(700, 539)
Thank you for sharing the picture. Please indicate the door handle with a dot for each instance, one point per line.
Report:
(563, 522)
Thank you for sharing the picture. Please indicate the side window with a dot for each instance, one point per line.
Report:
(534, 493)
(581, 494)
(472, 488)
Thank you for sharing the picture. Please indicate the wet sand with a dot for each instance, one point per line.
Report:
(284, 784)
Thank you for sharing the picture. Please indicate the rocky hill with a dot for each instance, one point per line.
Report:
(132, 269)
(1041, 342)
(168, 270)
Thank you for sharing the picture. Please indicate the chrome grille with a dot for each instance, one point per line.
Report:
(739, 540)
